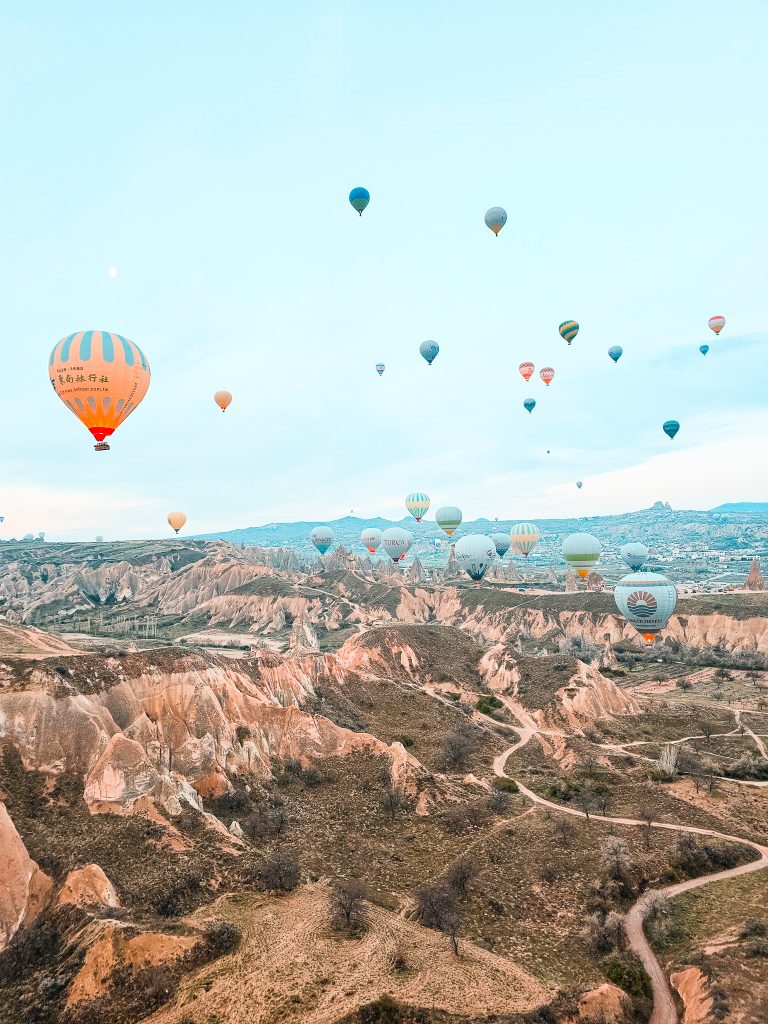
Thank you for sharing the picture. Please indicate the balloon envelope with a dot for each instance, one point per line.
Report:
(716, 323)
(396, 542)
(634, 554)
(501, 543)
(429, 350)
(526, 370)
(547, 374)
(579, 484)
(101, 377)
(671, 427)
(582, 552)
(524, 538)
(568, 330)
(176, 520)
(703, 349)
(222, 399)
(495, 219)
(322, 537)
(359, 199)
(418, 505)
(371, 538)
(646, 600)
(380, 368)
(448, 518)
(474, 553)
(615, 352)
(529, 404)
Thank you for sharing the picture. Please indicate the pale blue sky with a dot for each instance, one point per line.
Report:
(207, 150)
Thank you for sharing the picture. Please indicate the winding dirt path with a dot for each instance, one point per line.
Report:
(664, 1010)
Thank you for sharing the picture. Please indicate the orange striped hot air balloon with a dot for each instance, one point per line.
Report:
(222, 399)
(526, 370)
(547, 374)
(101, 377)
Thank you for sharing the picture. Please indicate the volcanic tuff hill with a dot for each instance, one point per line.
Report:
(214, 741)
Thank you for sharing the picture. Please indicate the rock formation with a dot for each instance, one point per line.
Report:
(24, 888)
(755, 579)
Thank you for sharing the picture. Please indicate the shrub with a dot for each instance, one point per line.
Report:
(629, 975)
(222, 937)
(505, 785)
(488, 705)
(754, 929)
(758, 948)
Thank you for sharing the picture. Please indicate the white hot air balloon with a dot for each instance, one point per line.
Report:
(448, 518)
(371, 538)
(634, 555)
(474, 553)
(646, 600)
(582, 551)
(322, 537)
(501, 543)
(396, 541)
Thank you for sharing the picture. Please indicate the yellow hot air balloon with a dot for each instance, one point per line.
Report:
(101, 377)
(222, 399)
(176, 520)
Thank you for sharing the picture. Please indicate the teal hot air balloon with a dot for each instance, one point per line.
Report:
(524, 538)
(634, 555)
(474, 553)
(615, 352)
(429, 350)
(359, 199)
(703, 349)
(529, 404)
(568, 330)
(380, 367)
(495, 219)
(579, 484)
(646, 600)
(671, 427)
(501, 543)
(322, 537)
(417, 505)
(448, 518)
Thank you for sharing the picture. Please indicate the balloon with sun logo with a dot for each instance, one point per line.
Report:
(646, 600)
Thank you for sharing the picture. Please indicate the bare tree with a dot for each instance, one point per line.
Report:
(616, 858)
(562, 831)
(459, 875)
(707, 729)
(348, 897)
(647, 814)
(393, 801)
(584, 799)
(604, 932)
(457, 748)
(281, 872)
(436, 908)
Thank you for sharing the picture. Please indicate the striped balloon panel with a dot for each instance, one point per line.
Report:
(717, 323)
(417, 504)
(101, 377)
(524, 537)
(568, 330)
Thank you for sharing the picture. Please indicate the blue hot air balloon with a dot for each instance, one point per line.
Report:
(703, 349)
(359, 199)
(429, 350)
(615, 352)
(322, 537)
(529, 404)
(671, 427)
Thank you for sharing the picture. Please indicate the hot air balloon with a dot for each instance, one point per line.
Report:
(646, 600)
(495, 219)
(176, 520)
(429, 350)
(581, 551)
(547, 375)
(634, 554)
(448, 518)
(716, 323)
(371, 538)
(615, 352)
(359, 198)
(418, 505)
(670, 428)
(474, 553)
(222, 399)
(703, 349)
(568, 330)
(524, 538)
(579, 484)
(101, 377)
(526, 370)
(529, 404)
(322, 537)
(380, 368)
(501, 543)
(396, 542)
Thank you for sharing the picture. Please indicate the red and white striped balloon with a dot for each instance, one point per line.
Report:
(716, 323)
